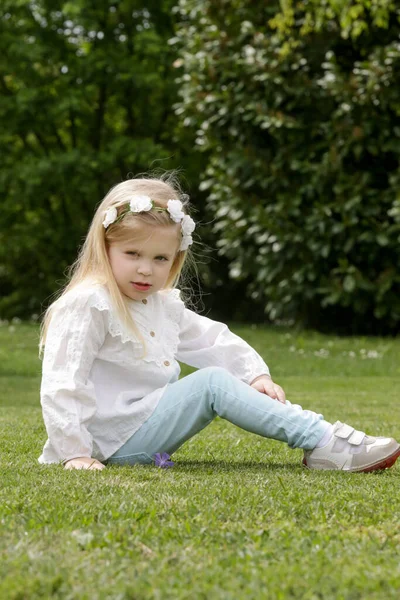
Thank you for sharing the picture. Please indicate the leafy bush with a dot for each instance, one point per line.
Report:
(87, 89)
(298, 112)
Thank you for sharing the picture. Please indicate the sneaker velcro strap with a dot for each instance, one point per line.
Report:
(344, 431)
(356, 437)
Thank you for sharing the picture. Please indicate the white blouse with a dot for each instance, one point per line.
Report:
(97, 387)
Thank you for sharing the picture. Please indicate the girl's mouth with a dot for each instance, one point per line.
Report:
(142, 287)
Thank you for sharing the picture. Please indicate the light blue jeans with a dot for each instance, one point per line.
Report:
(191, 403)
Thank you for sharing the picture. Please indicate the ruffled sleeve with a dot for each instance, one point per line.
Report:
(76, 333)
(207, 343)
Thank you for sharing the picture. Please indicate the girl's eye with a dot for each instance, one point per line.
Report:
(132, 253)
(161, 258)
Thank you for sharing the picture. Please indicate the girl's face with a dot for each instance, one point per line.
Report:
(141, 267)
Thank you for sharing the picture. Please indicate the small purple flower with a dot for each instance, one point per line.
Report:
(162, 460)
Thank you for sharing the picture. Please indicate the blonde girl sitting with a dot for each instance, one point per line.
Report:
(111, 392)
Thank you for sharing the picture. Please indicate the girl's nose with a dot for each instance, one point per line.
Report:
(144, 268)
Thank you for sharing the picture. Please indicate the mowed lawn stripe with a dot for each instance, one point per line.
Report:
(237, 516)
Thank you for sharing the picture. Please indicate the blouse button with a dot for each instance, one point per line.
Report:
(166, 363)
(144, 301)
(152, 333)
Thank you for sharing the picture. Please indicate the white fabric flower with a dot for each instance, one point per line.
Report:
(188, 225)
(187, 241)
(110, 216)
(175, 210)
(140, 204)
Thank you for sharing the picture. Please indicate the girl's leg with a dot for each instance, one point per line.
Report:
(191, 403)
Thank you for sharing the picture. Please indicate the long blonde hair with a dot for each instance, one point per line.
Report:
(92, 264)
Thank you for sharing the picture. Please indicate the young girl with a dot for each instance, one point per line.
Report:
(110, 391)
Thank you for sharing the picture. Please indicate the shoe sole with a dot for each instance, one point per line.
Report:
(386, 463)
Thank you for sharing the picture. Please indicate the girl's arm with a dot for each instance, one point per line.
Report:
(75, 335)
(205, 343)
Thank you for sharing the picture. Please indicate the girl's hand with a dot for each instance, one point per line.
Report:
(84, 463)
(265, 385)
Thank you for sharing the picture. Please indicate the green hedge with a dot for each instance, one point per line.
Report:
(299, 113)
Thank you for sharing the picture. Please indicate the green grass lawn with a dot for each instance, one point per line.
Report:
(237, 517)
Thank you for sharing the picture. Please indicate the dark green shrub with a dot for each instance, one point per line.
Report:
(300, 116)
(86, 96)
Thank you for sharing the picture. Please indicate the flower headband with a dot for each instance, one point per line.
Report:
(140, 204)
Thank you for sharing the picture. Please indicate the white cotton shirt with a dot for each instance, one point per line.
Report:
(97, 387)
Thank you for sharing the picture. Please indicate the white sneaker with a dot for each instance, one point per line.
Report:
(351, 450)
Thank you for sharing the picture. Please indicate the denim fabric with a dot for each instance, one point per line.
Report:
(191, 403)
